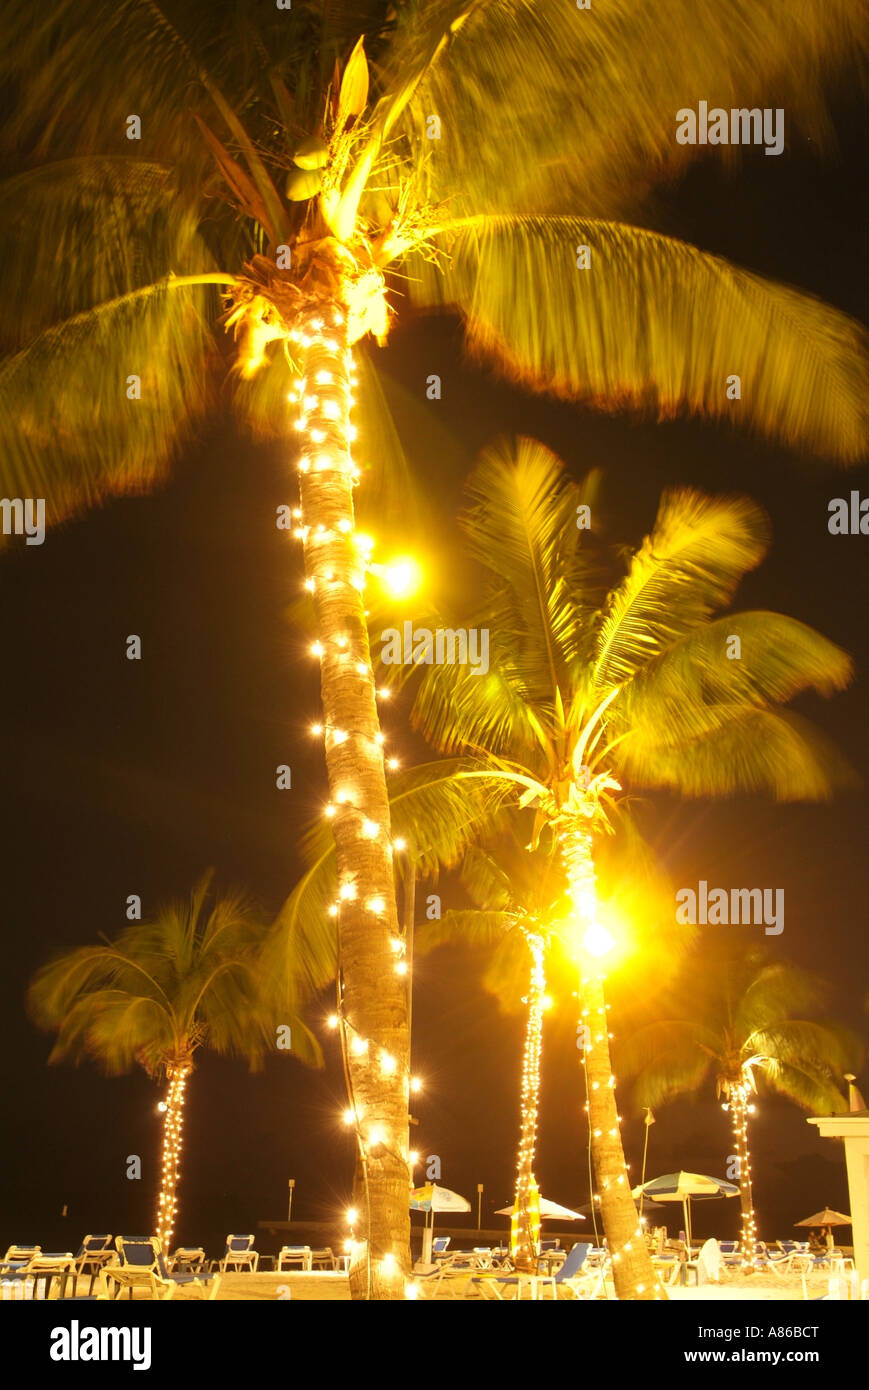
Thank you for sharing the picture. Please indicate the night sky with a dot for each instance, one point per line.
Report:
(133, 777)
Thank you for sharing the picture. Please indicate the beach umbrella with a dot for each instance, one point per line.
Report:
(549, 1211)
(827, 1217)
(433, 1198)
(685, 1188)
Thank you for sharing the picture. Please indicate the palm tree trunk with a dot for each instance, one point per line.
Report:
(739, 1102)
(633, 1272)
(374, 997)
(173, 1121)
(525, 1253)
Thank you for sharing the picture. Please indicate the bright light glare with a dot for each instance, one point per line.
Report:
(597, 940)
(402, 577)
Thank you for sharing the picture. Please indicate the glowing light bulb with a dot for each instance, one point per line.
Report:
(316, 730)
(352, 1216)
(332, 1021)
(399, 844)
(316, 649)
(359, 1046)
(415, 1084)
(370, 829)
(347, 891)
(376, 904)
(348, 1117)
(393, 764)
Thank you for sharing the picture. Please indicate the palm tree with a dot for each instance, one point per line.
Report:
(190, 978)
(230, 149)
(735, 1017)
(519, 906)
(588, 695)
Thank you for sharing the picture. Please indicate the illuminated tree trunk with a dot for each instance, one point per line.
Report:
(525, 1246)
(633, 1273)
(373, 994)
(739, 1102)
(173, 1121)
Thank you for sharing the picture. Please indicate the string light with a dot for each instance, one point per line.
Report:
(167, 1205)
(524, 1230)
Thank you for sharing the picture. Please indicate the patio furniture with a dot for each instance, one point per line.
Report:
(48, 1266)
(295, 1257)
(240, 1254)
(439, 1247)
(164, 1282)
(94, 1253)
(187, 1259)
(17, 1257)
(324, 1258)
(136, 1263)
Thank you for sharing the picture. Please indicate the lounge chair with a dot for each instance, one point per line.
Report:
(240, 1254)
(187, 1259)
(295, 1257)
(135, 1265)
(164, 1282)
(94, 1253)
(569, 1281)
(17, 1257)
(439, 1247)
(324, 1259)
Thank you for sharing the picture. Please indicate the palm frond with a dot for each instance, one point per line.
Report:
(762, 751)
(774, 991)
(668, 1058)
(514, 63)
(809, 1089)
(819, 1047)
(688, 566)
(746, 660)
(471, 927)
(88, 439)
(632, 331)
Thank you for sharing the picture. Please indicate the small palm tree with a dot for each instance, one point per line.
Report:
(165, 150)
(588, 695)
(736, 1018)
(157, 993)
(520, 906)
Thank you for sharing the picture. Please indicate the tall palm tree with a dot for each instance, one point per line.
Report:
(162, 989)
(167, 149)
(736, 1017)
(587, 696)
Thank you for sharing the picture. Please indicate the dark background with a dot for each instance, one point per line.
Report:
(132, 777)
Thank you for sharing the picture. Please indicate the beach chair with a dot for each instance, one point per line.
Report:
(136, 1263)
(94, 1253)
(439, 1247)
(187, 1259)
(240, 1254)
(165, 1282)
(295, 1257)
(324, 1259)
(17, 1257)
